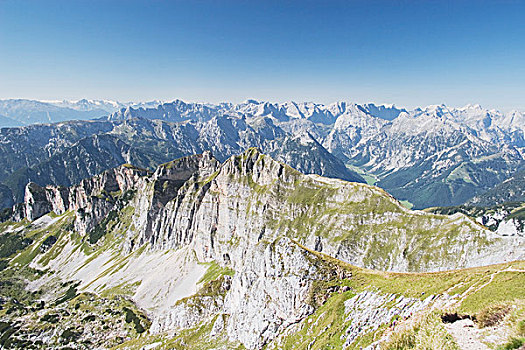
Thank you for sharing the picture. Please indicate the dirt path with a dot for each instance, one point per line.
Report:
(466, 335)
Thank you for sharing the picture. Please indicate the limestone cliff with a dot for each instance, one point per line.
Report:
(92, 199)
(251, 247)
(251, 198)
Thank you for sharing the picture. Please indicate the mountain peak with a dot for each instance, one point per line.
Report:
(181, 169)
(258, 168)
(472, 106)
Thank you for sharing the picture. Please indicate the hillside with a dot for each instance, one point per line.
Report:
(248, 253)
(510, 190)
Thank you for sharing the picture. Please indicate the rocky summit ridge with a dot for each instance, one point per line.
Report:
(246, 252)
(432, 156)
(256, 198)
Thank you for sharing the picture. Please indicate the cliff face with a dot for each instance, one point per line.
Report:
(239, 244)
(92, 199)
(251, 198)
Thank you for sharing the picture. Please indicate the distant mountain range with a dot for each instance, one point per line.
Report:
(20, 112)
(432, 156)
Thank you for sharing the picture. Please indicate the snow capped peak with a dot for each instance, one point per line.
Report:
(434, 108)
(471, 106)
(305, 138)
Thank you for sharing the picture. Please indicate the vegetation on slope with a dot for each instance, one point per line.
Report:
(82, 315)
(87, 318)
(37, 309)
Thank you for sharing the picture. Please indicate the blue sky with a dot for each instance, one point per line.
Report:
(410, 53)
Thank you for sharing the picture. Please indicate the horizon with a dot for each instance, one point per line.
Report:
(171, 100)
(403, 53)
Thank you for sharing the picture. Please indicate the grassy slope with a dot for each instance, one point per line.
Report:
(325, 328)
(479, 287)
(336, 210)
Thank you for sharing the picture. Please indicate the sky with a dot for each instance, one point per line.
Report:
(410, 53)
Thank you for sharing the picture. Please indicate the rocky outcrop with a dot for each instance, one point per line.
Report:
(92, 199)
(157, 205)
(271, 291)
(367, 311)
(252, 198)
(267, 228)
(512, 227)
(272, 288)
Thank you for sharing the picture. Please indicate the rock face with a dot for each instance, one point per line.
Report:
(269, 292)
(368, 311)
(92, 199)
(269, 232)
(252, 198)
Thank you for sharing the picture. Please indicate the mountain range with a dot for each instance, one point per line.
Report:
(434, 156)
(20, 112)
(244, 253)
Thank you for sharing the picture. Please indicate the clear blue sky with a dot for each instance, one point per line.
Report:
(409, 53)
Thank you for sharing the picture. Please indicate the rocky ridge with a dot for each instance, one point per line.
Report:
(246, 246)
(252, 198)
(92, 199)
(432, 156)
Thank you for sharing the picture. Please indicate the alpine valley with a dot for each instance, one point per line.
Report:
(435, 156)
(261, 226)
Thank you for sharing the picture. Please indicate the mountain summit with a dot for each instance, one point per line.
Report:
(249, 242)
(432, 156)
